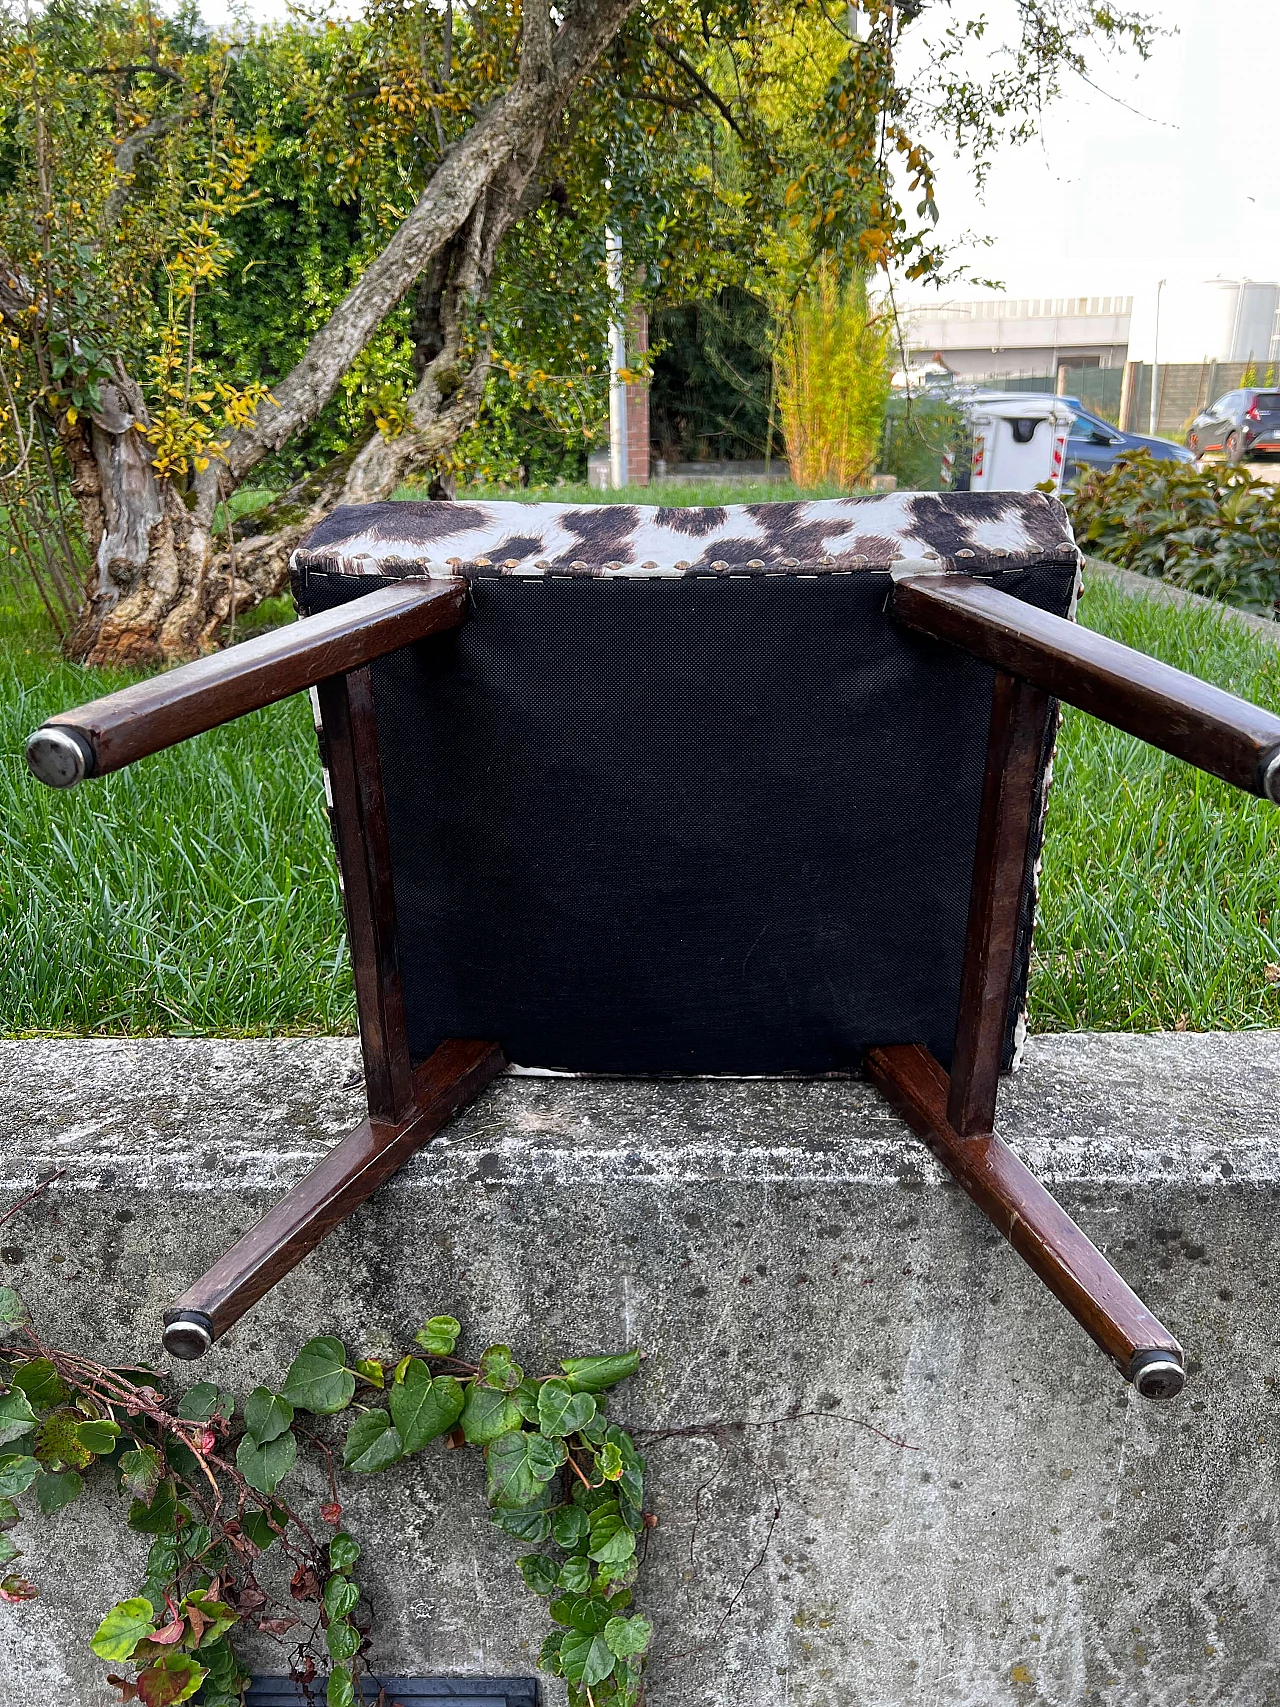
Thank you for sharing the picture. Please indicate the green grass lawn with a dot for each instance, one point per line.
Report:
(196, 891)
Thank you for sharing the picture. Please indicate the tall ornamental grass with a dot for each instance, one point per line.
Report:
(831, 374)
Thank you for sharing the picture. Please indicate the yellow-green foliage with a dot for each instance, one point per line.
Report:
(832, 376)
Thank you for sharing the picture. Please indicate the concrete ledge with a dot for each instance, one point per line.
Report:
(973, 1510)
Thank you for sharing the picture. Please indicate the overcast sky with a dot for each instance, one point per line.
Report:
(1185, 187)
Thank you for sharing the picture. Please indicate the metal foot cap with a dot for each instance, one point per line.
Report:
(1158, 1374)
(188, 1335)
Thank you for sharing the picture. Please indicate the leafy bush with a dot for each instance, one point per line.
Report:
(918, 432)
(1214, 530)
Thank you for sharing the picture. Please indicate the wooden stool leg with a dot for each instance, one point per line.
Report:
(353, 1170)
(1035, 1224)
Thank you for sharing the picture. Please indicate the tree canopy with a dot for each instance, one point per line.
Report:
(334, 237)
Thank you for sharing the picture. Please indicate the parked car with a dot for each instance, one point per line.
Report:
(1093, 442)
(1241, 424)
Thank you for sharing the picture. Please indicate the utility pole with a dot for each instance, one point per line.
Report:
(1155, 365)
(618, 471)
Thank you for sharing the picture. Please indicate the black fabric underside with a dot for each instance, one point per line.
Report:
(685, 825)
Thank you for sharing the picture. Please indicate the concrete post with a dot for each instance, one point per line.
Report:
(1128, 396)
(637, 402)
(618, 459)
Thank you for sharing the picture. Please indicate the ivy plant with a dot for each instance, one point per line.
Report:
(203, 1471)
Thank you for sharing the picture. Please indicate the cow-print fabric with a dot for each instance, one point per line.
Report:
(965, 531)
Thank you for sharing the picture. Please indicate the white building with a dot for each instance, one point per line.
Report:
(1212, 320)
(1004, 338)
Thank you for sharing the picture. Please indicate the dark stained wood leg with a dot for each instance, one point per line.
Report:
(1019, 717)
(352, 1171)
(364, 859)
(1034, 1223)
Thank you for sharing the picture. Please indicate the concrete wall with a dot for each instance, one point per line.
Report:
(924, 1485)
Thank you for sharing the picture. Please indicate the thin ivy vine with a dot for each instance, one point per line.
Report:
(203, 1473)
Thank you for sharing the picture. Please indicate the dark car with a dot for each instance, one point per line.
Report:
(1095, 443)
(1243, 423)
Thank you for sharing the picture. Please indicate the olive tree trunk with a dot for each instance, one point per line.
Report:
(163, 585)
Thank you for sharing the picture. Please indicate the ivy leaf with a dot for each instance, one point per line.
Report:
(594, 1374)
(266, 1415)
(588, 1614)
(203, 1401)
(540, 1573)
(423, 1408)
(562, 1411)
(341, 1692)
(58, 1445)
(219, 1659)
(128, 1623)
(9, 1551)
(319, 1380)
(372, 1444)
(627, 1636)
(572, 1529)
(12, 1309)
(16, 1417)
(55, 1491)
(265, 1467)
(549, 1658)
(517, 1465)
(498, 1370)
(342, 1640)
(370, 1369)
(40, 1381)
(525, 1399)
(140, 1472)
(611, 1578)
(98, 1435)
(610, 1462)
(487, 1414)
(439, 1336)
(585, 1659)
(575, 1575)
(343, 1551)
(215, 1617)
(257, 1525)
(533, 1526)
(341, 1596)
(172, 1679)
(9, 1514)
(159, 1515)
(612, 1542)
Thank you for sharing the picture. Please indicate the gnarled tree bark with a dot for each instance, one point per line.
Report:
(160, 590)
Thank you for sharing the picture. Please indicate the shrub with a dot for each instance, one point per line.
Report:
(1214, 530)
(832, 366)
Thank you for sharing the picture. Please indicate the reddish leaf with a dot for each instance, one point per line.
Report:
(173, 1679)
(277, 1626)
(15, 1588)
(247, 1599)
(305, 1584)
(128, 1691)
(170, 1633)
(303, 1674)
(332, 1513)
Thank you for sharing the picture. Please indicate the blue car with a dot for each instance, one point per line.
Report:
(1095, 443)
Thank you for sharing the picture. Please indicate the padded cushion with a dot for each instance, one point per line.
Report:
(686, 822)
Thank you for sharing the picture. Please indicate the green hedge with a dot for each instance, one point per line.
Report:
(1215, 530)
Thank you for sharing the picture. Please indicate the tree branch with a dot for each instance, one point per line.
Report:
(128, 158)
(518, 118)
(674, 54)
